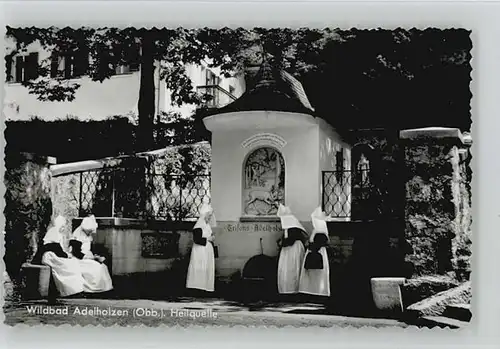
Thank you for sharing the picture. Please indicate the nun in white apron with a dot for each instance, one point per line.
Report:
(94, 271)
(65, 270)
(201, 270)
(315, 274)
(292, 252)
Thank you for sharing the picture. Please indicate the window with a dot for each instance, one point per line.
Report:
(69, 66)
(263, 182)
(127, 69)
(133, 67)
(232, 89)
(211, 79)
(22, 68)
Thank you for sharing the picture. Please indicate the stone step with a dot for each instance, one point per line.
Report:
(458, 312)
(442, 322)
(436, 304)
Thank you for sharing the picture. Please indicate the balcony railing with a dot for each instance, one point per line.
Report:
(215, 96)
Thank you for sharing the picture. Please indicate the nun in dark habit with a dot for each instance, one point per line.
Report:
(201, 271)
(315, 274)
(93, 269)
(292, 252)
(65, 270)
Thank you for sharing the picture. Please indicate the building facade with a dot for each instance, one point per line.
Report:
(115, 96)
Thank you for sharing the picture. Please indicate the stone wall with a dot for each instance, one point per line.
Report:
(437, 210)
(145, 258)
(28, 207)
(461, 245)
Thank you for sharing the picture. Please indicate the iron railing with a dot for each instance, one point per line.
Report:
(215, 96)
(347, 193)
(139, 193)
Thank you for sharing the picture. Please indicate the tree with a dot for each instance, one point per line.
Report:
(372, 78)
(379, 78)
(96, 53)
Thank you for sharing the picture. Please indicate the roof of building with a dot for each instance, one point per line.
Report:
(273, 89)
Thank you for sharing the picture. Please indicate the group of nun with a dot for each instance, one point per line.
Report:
(75, 268)
(300, 269)
(303, 269)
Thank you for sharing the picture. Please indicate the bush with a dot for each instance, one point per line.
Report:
(71, 139)
(28, 208)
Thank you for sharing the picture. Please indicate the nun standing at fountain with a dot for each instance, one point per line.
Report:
(292, 251)
(93, 269)
(201, 270)
(315, 274)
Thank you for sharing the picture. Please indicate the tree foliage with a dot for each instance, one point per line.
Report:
(354, 78)
(71, 139)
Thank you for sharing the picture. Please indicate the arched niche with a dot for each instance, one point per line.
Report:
(263, 182)
(363, 163)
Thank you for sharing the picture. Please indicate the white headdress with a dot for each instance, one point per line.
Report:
(89, 224)
(53, 235)
(319, 218)
(205, 210)
(288, 220)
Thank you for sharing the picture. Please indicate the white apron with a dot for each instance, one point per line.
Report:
(289, 267)
(201, 271)
(291, 257)
(95, 274)
(316, 281)
(66, 273)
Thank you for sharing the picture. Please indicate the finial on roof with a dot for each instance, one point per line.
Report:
(272, 88)
(265, 76)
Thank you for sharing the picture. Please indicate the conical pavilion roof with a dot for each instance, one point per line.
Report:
(273, 89)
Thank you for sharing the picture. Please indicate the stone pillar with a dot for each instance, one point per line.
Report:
(431, 157)
(462, 243)
(28, 207)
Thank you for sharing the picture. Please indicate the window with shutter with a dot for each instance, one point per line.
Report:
(80, 63)
(68, 66)
(19, 69)
(210, 78)
(54, 65)
(8, 69)
(31, 66)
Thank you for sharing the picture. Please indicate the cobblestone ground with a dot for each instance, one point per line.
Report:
(185, 312)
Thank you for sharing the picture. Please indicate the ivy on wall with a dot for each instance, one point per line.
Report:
(28, 208)
(431, 207)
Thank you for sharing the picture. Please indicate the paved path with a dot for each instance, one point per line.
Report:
(185, 312)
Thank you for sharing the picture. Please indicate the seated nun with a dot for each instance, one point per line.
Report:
(201, 270)
(315, 273)
(65, 270)
(292, 251)
(94, 271)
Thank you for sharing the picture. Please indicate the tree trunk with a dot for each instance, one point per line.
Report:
(146, 105)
